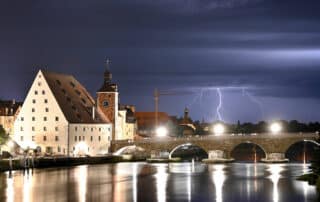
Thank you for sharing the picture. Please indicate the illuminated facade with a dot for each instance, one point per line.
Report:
(8, 114)
(59, 116)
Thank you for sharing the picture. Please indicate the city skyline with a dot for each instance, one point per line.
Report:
(263, 56)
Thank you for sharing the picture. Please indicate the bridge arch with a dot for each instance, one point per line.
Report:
(301, 150)
(248, 151)
(131, 149)
(189, 148)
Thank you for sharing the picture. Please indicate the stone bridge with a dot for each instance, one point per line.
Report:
(269, 143)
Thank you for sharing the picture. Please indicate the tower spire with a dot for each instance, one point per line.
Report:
(107, 64)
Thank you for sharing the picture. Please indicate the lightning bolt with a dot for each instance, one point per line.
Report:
(219, 107)
(254, 100)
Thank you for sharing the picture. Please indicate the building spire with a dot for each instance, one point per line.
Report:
(108, 64)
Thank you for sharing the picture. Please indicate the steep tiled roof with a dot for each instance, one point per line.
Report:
(9, 107)
(147, 119)
(74, 100)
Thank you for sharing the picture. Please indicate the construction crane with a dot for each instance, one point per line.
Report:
(157, 94)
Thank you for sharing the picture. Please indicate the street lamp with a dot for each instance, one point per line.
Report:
(275, 128)
(218, 129)
(161, 131)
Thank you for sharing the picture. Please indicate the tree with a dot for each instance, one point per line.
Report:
(3, 135)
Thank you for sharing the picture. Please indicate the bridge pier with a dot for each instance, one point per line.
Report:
(275, 158)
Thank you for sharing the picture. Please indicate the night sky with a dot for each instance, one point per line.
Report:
(263, 55)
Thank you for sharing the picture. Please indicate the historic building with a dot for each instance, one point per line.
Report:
(59, 116)
(9, 110)
(186, 124)
(146, 122)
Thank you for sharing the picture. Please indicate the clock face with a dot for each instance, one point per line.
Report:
(105, 103)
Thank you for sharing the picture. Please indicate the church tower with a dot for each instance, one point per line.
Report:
(108, 99)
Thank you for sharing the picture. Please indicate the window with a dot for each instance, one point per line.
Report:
(79, 138)
(99, 138)
(32, 138)
(47, 109)
(91, 129)
(33, 118)
(59, 149)
(99, 129)
(109, 129)
(56, 128)
(21, 128)
(21, 138)
(46, 101)
(91, 138)
(57, 118)
(78, 92)
(43, 92)
(58, 82)
(105, 103)
(84, 129)
(75, 138)
(32, 128)
(76, 128)
(44, 128)
(39, 83)
(22, 118)
(57, 138)
(108, 138)
(36, 92)
(33, 101)
(44, 138)
(72, 84)
(44, 118)
(33, 110)
(83, 138)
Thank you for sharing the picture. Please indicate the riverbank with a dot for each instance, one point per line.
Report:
(48, 162)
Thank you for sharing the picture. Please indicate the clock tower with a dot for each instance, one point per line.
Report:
(107, 99)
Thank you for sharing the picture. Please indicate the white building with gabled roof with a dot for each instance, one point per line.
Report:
(59, 116)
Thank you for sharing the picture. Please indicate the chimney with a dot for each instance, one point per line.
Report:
(13, 102)
(93, 113)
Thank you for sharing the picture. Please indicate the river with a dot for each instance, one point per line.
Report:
(160, 182)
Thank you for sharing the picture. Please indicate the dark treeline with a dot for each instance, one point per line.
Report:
(260, 127)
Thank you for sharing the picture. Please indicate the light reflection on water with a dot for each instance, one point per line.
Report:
(218, 177)
(160, 182)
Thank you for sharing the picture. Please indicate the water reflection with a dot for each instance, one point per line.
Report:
(275, 170)
(218, 178)
(161, 182)
(81, 174)
(10, 189)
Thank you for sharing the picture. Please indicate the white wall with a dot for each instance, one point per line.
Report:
(84, 139)
(31, 133)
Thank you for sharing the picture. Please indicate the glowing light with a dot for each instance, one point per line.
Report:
(161, 131)
(10, 144)
(218, 129)
(275, 128)
(81, 148)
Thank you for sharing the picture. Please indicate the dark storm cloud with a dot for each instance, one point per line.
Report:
(271, 46)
